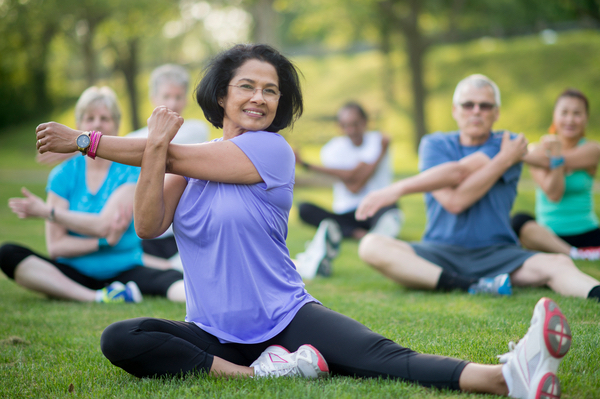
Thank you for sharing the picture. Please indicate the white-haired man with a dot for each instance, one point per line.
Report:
(470, 179)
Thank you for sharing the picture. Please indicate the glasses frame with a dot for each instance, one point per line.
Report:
(267, 98)
(470, 105)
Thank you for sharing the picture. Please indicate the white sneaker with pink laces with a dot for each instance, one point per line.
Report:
(531, 365)
(276, 361)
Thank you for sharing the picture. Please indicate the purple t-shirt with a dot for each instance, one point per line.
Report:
(240, 283)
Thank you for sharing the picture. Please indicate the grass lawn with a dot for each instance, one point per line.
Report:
(49, 347)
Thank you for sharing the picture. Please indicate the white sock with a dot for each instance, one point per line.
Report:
(99, 295)
(574, 253)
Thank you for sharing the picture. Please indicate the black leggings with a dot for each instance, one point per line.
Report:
(150, 281)
(313, 215)
(584, 240)
(147, 347)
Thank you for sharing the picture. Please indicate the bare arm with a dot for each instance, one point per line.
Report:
(470, 190)
(61, 244)
(552, 182)
(354, 179)
(84, 223)
(449, 174)
(219, 161)
(157, 195)
(583, 157)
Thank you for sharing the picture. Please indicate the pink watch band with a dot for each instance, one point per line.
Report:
(94, 141)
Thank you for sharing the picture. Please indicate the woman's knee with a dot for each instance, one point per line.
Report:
(119, 336)
(11, 255)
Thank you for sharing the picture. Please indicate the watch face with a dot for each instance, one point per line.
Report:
(83, 141)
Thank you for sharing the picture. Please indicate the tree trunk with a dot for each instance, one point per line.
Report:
(89, 56)
(39, 70)
(416, 53)
(128, 65)
(385, 46)
(266, 21)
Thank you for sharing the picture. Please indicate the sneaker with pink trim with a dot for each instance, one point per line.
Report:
(587, 253)
(276, 361)
(531, 365)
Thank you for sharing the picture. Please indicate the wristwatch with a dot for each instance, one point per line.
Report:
(83, 142)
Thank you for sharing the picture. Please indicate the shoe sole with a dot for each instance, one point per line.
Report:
(548, 387)
(333, 237)
(136, 294)
(557, 342)
(557, 332)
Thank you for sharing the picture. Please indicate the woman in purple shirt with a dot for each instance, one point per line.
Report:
(247, 307)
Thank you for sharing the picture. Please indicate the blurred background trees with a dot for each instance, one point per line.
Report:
(50, 50)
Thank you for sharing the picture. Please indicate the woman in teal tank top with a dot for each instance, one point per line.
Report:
(566, 221)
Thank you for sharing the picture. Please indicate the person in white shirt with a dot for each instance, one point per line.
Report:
(169, 87)
(360, 162)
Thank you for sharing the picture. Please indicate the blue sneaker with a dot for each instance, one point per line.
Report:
(499, 285)
(119, 292)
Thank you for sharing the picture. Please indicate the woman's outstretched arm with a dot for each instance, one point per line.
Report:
(58, 138)
(221, 161)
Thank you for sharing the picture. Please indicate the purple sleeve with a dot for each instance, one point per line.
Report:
(270, 154)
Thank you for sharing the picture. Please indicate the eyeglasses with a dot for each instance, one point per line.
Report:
(269, 93)
(469, 105)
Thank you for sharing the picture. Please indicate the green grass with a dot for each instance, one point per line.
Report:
(47, 345)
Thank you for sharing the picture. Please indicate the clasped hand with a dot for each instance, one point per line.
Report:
(163, 125)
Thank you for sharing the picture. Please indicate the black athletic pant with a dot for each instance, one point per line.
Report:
(584, 240)
(313, 215)
(150, 281)
(148, 347)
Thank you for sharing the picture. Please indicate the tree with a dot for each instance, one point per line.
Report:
(417, 25)
(27, 29)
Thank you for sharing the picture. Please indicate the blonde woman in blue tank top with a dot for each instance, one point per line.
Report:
(565, 219)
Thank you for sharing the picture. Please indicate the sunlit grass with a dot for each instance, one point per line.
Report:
(48, 347)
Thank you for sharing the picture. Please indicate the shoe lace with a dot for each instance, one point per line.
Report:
(508, 355)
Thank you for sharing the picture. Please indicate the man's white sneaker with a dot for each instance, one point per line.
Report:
(319, 253)
(531, 365)
(276, 361)
(389, 224)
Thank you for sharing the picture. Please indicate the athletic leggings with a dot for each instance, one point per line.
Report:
(147, 347)
(313, 215)
(150, 281)
(584, 240)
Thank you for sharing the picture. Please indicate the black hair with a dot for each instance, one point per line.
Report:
(574, 93)
(357, 107)
(221, 70)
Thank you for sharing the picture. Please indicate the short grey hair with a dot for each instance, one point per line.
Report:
(478, 81)
(95, 95)
(170, 73)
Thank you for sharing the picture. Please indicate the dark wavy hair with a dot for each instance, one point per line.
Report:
(221, 70)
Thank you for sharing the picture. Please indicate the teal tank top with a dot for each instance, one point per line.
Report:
(574, 213)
